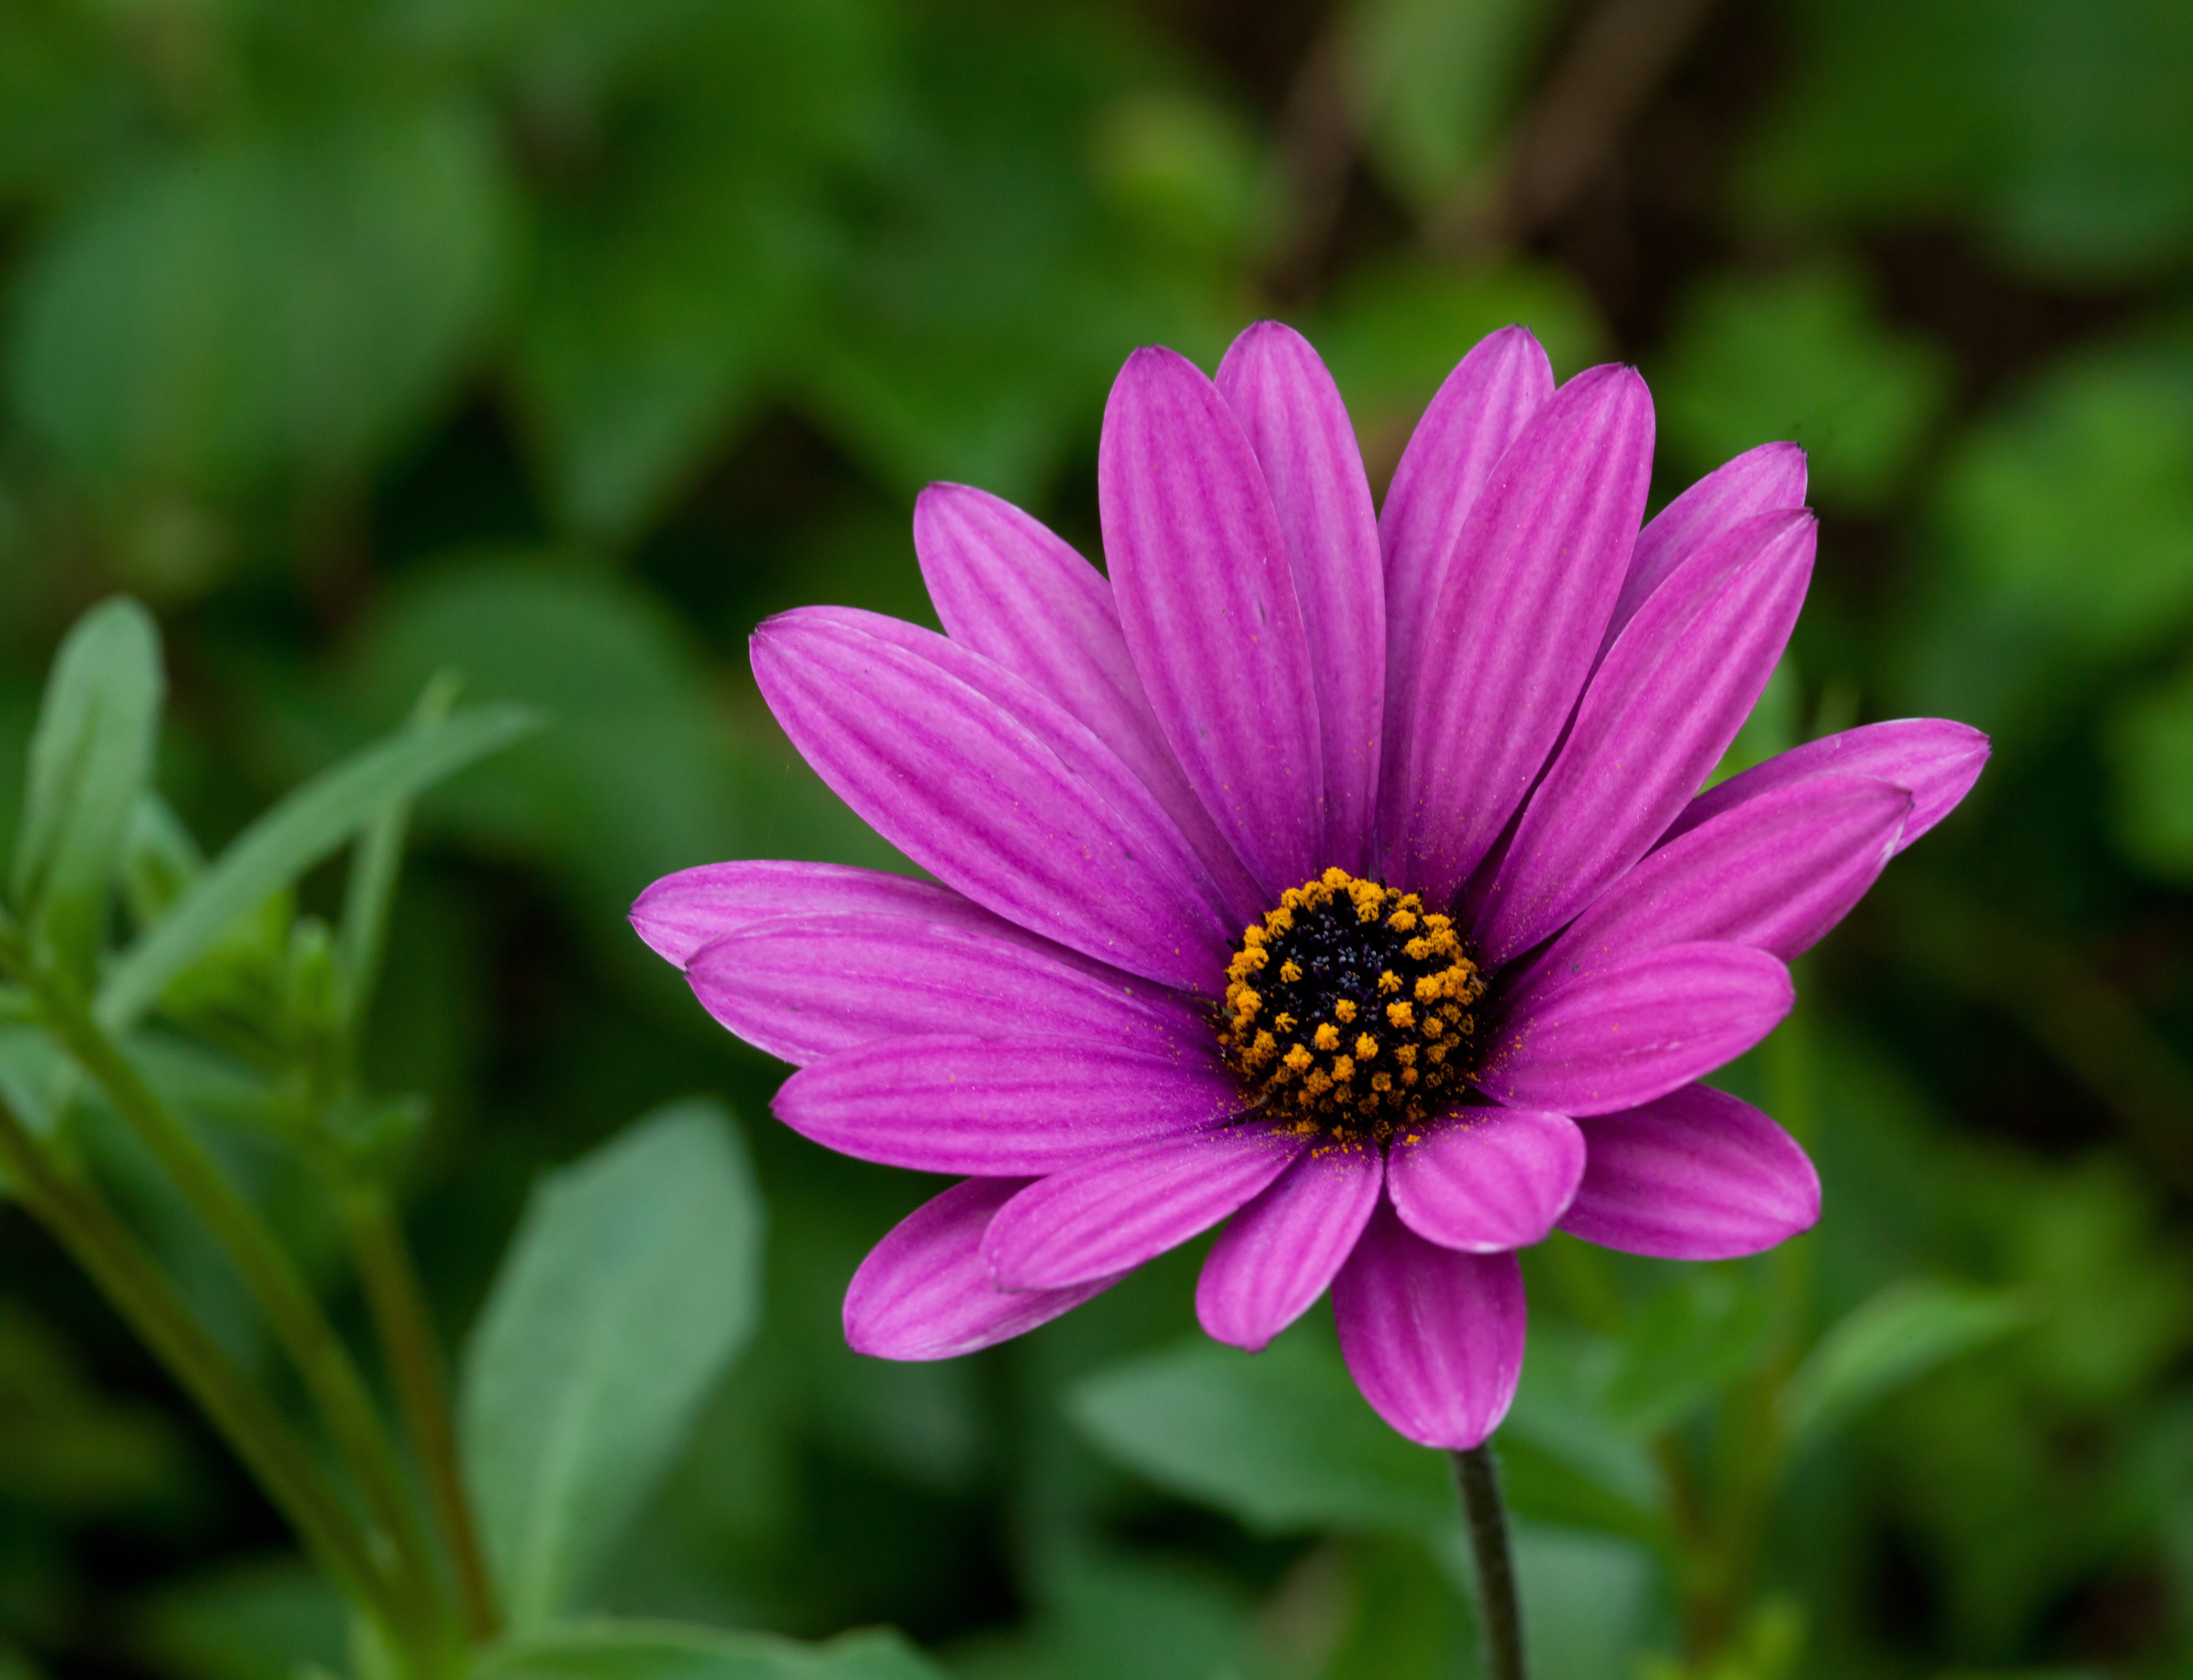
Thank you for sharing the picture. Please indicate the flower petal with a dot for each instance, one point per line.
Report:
(678, 914)
(950, 1103)
(1534, 577)
(1433, 1337)
(1008, 588)
(1937, 760)
(1758, 481)
(1276, 1256)
(993, 790)
(1486, 1179)
(1694, 1176)
(1776, 873)
(1484, 403)
(1658, 714)
(803, 987)
(1293, 417)
(923, 1293)
(1636, 1029)
(1108, 1217)
(1207, 600)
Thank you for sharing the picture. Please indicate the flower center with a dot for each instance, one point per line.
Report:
(1349, 1009)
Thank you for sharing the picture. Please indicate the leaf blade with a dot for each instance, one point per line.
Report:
(305, 827)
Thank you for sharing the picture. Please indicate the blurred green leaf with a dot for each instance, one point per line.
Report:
(65, 1446)
(1433, 84)
(1900, 1334)
(1585, 1602)
(2063, 529)
(631, 1282)
(274, 1621)
(1106, 1618)
(1280, 1439)
(307, 825)
(2061, 131)
(89, 760)
(2150, 742)
(637, 775)
(1566, 1458)
(610, 1650)
(1704, 1329)
(686, 274)
(1393, 331)
(286, 302)
(1184, 169)
(1800, 358)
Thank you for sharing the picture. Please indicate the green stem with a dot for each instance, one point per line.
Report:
(415, 1364)
(318, 1354)
(1500, 1618)
(260, 1439)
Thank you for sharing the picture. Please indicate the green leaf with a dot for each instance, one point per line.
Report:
(306, 827)
(286, 302)
(1280, 1439)
(2063, 131)
(1901, 1334)
(1800, 357)
(1125, 1618)
(1394, 330)
(262, 1621)
(90, 758)
(1433, 83)
(1696, 1334)
(621, 1650)
(634, 1279)
(1585, 1599)
(2150, 742)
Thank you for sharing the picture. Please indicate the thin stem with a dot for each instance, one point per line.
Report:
(1500, 1618)
(415, 1364)
(371, 890)
(318, 1354)
(277, 1459)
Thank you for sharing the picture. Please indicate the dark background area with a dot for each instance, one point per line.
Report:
(557, 344)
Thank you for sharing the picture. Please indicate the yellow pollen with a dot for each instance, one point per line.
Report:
(1304, 989)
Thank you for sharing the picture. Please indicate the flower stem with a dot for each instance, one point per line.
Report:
(1500, 1619)
(278, 1461)
(329, 1375)
(414, 1364)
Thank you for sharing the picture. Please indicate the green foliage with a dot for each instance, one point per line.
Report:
(1801, 357)
(1281, 1439)
(629, 1286)
(89, 762)
(1903, 1332)
(2059, 130)
(299, 832)
(528, 352)
(280, 304)
(638, 1651)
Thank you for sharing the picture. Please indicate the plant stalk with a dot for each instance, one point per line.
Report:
(322, 1361)
(1499, 1614)
(270, 1450)
(415, 1364)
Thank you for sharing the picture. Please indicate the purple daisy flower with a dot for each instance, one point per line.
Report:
(1340, 876)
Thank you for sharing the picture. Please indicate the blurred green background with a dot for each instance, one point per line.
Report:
(555, 342)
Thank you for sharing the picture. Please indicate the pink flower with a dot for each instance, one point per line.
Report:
(1341, 876)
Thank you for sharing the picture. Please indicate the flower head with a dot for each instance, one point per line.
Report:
(1341, 876)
